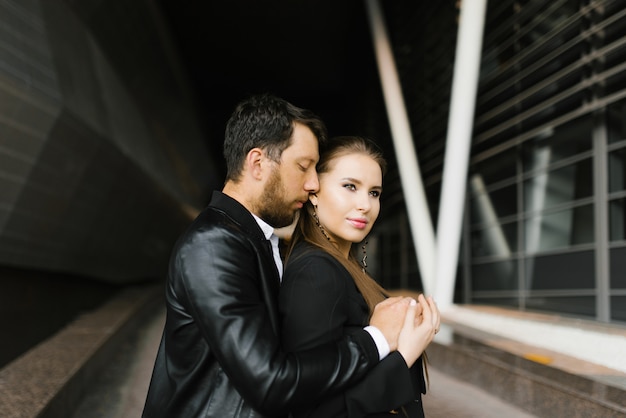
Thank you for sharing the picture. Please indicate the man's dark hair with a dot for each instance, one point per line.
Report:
(266, 122)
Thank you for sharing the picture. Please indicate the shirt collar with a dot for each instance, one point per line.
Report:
(267, 229)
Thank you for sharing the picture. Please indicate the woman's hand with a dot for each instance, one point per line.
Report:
(421, 323)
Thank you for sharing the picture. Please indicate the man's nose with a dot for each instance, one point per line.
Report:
(312, 183)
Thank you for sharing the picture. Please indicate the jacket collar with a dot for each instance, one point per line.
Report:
(238, 212)
(242, 216)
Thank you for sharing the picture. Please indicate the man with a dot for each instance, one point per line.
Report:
(220, 354)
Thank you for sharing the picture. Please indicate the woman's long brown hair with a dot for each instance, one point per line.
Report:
(308, 230)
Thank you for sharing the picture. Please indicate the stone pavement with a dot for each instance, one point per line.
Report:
(99, 366)
(121, 389)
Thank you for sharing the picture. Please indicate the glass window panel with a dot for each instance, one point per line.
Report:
(553, 145)
(617, 81)
(617, 171)
(618, 268)
(561, 271)
(504, 114)
(509, 302)
(616, 27)
(558, 85)
(559, 230)
(502, 96)
(566, 105)
(617, 121)
(488, 207)
(495, 240)
(614, 58)
(618, 308)
(563, 185)
(617, 219)
(498, 167)
(544, 19)
(501, 275)
(504, 200)
(494, 139)
(576, 305)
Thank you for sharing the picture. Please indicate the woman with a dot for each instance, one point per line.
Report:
(326, 293)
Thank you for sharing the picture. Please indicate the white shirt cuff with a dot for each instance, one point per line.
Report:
(379, 340)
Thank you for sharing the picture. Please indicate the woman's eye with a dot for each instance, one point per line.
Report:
(375, 193)
(350, 186)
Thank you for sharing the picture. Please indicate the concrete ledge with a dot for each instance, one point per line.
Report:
(50, 379)
(540, 389)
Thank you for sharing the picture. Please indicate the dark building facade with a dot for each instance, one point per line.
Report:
(546, 191)
(102, 160)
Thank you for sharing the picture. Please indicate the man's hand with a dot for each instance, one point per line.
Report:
(389, 317)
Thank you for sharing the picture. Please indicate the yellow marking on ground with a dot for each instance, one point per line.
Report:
(538, 358)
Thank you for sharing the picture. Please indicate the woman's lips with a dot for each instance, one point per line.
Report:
(358, 223)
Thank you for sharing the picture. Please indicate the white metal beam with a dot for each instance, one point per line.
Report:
(459, 137)
(410, 177)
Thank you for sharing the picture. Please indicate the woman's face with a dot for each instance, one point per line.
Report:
(348, 200)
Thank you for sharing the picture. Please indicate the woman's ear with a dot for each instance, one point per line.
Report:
(313, 198)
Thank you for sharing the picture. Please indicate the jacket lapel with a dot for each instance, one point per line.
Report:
(269, 279)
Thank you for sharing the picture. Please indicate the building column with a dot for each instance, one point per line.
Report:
(458, 143)
(410, 177)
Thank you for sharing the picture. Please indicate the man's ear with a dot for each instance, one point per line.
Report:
(254, 161)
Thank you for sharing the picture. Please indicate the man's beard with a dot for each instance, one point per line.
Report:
(273, 208)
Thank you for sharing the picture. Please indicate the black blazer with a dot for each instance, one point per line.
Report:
(220, 355)
(319, 302)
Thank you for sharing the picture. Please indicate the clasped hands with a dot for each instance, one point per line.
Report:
(408, 325)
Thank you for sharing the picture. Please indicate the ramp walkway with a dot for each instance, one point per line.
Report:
(482, 364)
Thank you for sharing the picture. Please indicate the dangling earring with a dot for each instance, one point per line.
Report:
(364, 259)
(317, 222)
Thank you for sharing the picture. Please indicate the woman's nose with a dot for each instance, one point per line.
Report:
(364, 203)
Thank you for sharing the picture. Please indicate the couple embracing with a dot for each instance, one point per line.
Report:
(322, 339)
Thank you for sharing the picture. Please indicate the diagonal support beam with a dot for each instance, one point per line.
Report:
(412, 185)
(458, 142)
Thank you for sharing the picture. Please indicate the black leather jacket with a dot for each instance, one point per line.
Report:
(220, 354)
